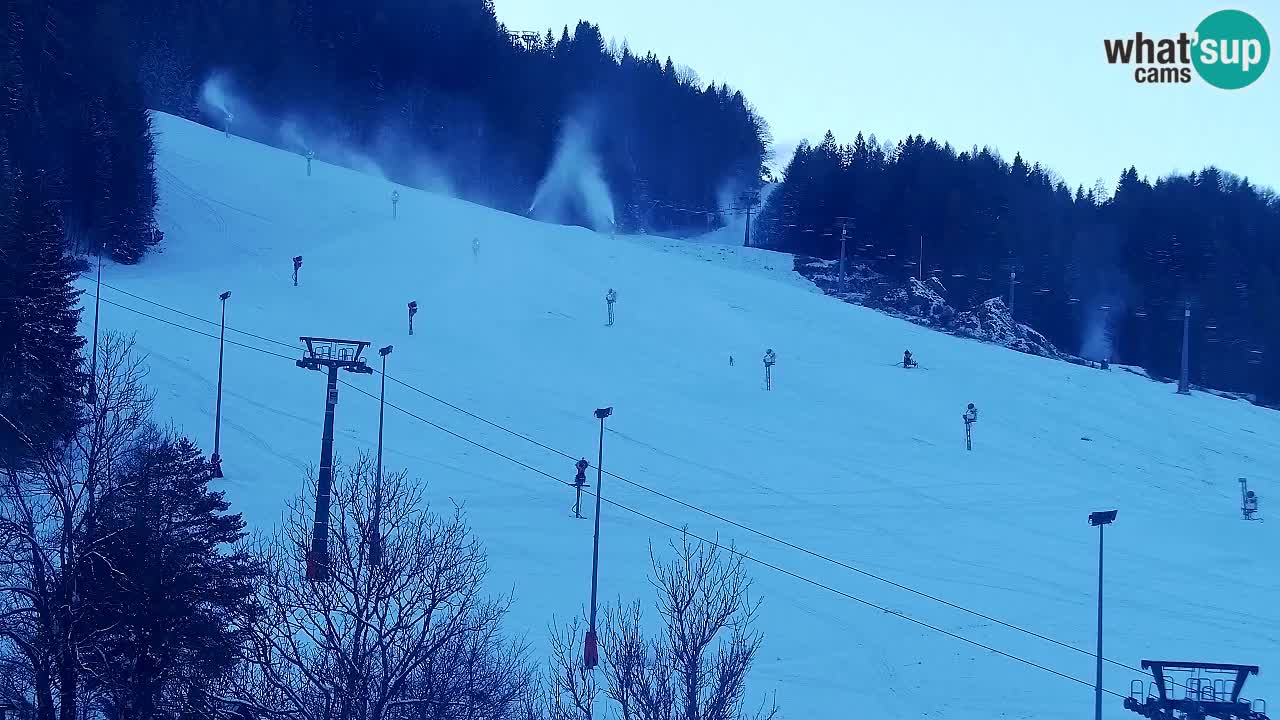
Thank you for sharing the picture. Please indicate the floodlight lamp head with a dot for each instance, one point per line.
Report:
(1102, 517)
(223, 297)
(603, 413)
(385, 351)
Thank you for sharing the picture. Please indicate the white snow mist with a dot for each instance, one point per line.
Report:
(216, 94)
(574, 176)
(1095, 344)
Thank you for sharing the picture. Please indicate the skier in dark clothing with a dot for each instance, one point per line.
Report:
(907, 361)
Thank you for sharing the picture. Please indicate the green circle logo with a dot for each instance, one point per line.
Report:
(1232, 49)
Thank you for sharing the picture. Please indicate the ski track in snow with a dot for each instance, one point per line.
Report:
(849, 456)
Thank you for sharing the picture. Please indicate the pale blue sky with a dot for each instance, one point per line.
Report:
(1025, 76)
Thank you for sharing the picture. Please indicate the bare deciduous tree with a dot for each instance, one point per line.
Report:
(48, 512)
(357, 646)
(573, 691)
(477, 676)
(697, 667)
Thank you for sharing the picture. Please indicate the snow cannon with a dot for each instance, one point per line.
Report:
(1248, 500)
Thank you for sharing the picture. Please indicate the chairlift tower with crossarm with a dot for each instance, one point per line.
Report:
(1194, 691)
(330, 355)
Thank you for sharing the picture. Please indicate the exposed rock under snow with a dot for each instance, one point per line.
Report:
(918, 300)
(991, 321)
(926, 303)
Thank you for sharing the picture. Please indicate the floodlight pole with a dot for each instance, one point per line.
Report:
(375, 541)
(1184, 380)
(97, 303)
(217, 415)
(590, 656)
(1101, 520)
(843, 264)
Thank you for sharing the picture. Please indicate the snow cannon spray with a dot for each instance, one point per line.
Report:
(574, 175)
(214, 95)
(292, 138)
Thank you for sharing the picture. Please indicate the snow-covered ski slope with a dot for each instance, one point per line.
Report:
(848, 456)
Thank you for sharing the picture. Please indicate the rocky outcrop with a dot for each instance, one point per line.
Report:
(926, 303)
(991, 321)
(919, 300)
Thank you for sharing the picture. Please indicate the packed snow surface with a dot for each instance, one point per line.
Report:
(850, 455)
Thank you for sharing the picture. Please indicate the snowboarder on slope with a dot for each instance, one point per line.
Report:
(611, 297)
(907, 361)
(970, 417)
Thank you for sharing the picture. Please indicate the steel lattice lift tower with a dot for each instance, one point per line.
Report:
(1210, 690)
(330, 354)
